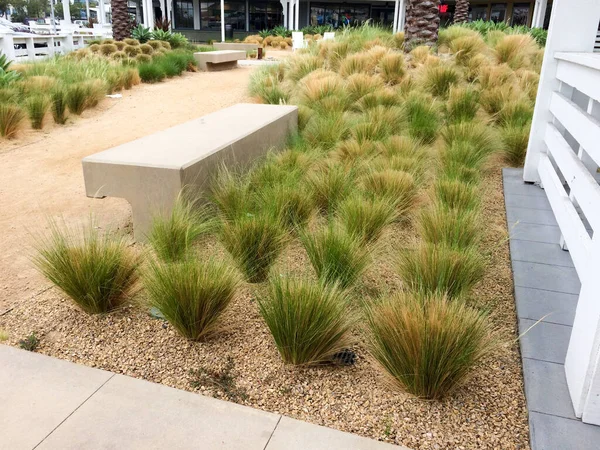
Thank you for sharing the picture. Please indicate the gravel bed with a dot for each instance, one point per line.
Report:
(488, 412)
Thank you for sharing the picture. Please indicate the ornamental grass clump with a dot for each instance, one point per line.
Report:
(455, 228)
(58, 106)
(438, 79)
(329, 185)
(392, 68)
(463, 104)
(173, 235)
(37, 107)
(441, 269)
(254, 242)
(97, 272)
(423, 120)
(456, 194)
(291, 203)
(11, 120)
(151, 72)
(366, 218)
(395, 186)
(231, 195)
(309, 321)
(469, 143)
(515, 140)
(192, 295)
(428, 346)
(337, 256)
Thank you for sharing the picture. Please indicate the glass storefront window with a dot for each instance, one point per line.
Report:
(235, 14)
(478, 12)
(210, 15)
(265, 15)
(520, 14)
(337, 14)
(184, 14)
(498, 12)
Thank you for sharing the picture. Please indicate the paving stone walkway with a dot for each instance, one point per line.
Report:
(546, 290)
(47, 403)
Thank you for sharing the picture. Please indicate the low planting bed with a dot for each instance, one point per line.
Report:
(360, 279)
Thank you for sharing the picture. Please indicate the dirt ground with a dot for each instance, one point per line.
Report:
(41, 176)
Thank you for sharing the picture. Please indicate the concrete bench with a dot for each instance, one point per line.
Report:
(219, 60)
(235, 46)
(151, 171)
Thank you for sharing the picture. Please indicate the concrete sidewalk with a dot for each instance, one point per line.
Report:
(47, 403)
(546, 293)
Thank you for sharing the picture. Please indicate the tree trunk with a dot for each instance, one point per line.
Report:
(422, 23)
(461, 13)
(121, 23)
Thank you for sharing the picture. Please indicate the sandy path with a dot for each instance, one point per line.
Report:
(41, 177)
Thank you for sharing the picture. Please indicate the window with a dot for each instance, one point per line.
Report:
(478, 12)
(184, 13)
(210, 15)
(498, 12)
(446, 14)
(520, 14)
(337, 14)
(265, 15)
(235, 15)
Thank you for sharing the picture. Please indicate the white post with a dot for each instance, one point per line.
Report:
(572, 28)
(297, 15)
(7, 45)
(396, 9)
(539, 13)
(66, 11)
(222, 20)
(87, 10)
(291, 17)
(102, 13)
(402, 15)
(169, 4)
(196, 4)
(150, 9)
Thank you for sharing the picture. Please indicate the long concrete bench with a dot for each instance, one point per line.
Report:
(235, 46)
(219, 59)
(151, 171)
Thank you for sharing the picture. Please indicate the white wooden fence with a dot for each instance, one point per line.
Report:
(23, 47)
(563, 156)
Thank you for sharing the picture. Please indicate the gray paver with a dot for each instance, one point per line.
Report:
(544, 341)
(538, 376)
(539, 216)
(549, 306)
(37, 393)
(539, 252)
(549, 234)
(556, 433)
(526, 201)
(293, 434)
(516, 186)
(128, 413)
(547, 277)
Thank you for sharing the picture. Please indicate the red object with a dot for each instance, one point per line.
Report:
(443, 9)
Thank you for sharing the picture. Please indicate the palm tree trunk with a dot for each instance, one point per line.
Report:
(422, 23)
(461, 13)
(121, 23)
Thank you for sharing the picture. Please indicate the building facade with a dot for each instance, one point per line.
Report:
(201, 20)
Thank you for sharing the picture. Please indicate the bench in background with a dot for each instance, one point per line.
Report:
(151, 171)
(219, 60)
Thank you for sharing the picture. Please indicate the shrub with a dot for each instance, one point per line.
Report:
(131, 77)
(231, 195)
(143, 58)
(290, 203)
(94, 48)
(58, 105)
(516, 140)
(437, 79)
(337, 256)
(192, 295)
(132, 51)
(309, 322)
(428, 346)
(515, 50)
(173, 235)
(329, 185)
(37, 107)
(451, 227)
(455, 194)
(441, 269)
(254, 242)
(463, 104)
(469, 143)
(141, 33)
(392, 68)
(457, 171)
(155, 45)
(423, 120)
(367, 218)
(132, 42)
(325, 130)
(120, 45)
(119, 55)
(97, 273)
(466, 47)
(495, 76)
(516, 114)
(11, 119)
(361, 84)
(146, 49)
(108, 49)
(396, 186)
(356, 63)
(151, 72)
(302, 65)
(378, 123)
